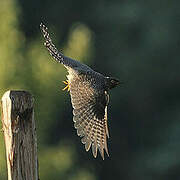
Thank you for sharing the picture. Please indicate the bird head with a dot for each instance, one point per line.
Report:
(112, 82)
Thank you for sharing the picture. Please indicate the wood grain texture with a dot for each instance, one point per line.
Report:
(20, 135)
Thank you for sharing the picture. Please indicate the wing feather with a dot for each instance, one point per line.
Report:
(90, 114)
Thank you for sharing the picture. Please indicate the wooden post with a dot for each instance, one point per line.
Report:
(20, 135)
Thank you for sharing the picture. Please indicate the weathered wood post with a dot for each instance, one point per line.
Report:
(20, 135)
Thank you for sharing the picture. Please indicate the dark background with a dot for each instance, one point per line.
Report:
(136, 41)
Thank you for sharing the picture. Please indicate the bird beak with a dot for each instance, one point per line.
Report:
(121, 83)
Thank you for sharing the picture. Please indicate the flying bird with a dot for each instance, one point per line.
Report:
(89, 97)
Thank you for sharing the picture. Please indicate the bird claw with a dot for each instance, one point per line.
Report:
(67, 85)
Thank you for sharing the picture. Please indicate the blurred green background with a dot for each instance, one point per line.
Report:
(136, 41)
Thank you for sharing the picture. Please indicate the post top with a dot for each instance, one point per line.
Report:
(20, 100)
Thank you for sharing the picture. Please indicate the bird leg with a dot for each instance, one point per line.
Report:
(67, 85)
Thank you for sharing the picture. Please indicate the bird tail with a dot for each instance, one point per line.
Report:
(57, 55)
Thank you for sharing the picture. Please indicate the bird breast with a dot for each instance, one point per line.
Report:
(71, 75)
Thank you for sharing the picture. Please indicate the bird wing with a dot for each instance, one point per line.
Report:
(90, 114)
(89, 103)
(57, 55)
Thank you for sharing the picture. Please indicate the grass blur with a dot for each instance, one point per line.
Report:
(137, 42)
(27, 67)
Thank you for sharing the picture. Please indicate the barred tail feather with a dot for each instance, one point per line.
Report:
(57, 55)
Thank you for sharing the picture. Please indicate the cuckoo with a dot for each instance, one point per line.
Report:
(89, 97)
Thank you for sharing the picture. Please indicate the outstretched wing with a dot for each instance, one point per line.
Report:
(90, 114)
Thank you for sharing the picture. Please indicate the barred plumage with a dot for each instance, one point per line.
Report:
(89, 97)
(57, 55)
(90, 114)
